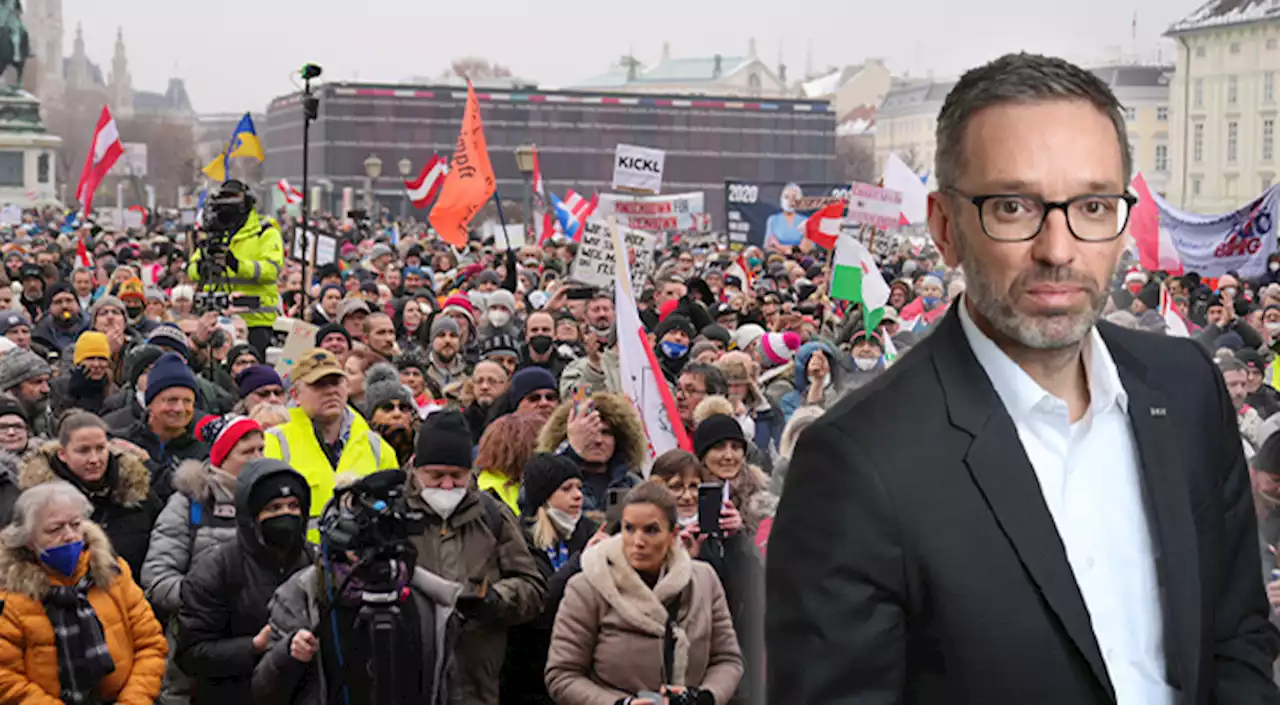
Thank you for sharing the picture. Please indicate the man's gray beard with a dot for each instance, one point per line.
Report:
(1054, 332)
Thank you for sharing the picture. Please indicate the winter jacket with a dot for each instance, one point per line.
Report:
(444, 375)
(55, 338)
(224, 605)
(608, 638)
(839, 377)
(164, 458)
(126, 508)
(128, 412)
(295, 443)
(631, 449)
(258, 249)
(297, 604)
(183, 532)
(555, 364)
(10, 465)
(606, 379)
(481, 544)
(527, 644)
(28, 647)
(778, 383)
(740, 568)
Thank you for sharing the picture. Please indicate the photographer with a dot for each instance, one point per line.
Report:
(327, 621)
(473, 539)
(246, 253)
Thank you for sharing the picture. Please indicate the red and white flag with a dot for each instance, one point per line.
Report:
(427, 185)
(537, 176)
(1155, 246)
(540, 214)
(291, 194)
(740, 270)
(102, 155)
(83, 258)
(823, 227)
(1173, 320)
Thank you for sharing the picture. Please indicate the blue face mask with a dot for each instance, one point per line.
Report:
(672, 350)
(64, 558)
(753, 262)
(930, 301)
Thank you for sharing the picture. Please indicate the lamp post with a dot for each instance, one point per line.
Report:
(406, 167)
(524, 164)
(372, 170)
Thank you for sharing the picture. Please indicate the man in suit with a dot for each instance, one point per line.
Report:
(1031, 506)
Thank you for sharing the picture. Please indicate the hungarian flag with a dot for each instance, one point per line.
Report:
(291, 194)
(470, 182)
(102, 155)
(823, 227)
(427, 185)
(856, 278)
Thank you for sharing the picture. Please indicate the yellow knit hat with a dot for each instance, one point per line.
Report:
(91, 343)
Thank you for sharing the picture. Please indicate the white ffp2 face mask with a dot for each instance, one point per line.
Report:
(499, 318)
(443, 502)
(865, 364)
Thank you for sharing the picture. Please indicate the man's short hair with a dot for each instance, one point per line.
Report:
(711, 376)
(1019, 79)
(1232, 365)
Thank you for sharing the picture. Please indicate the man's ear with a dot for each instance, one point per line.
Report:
(943, 229)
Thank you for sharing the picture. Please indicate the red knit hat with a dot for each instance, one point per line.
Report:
(222, 433)
(462, 303)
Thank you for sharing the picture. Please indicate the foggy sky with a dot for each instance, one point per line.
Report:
(237, 54)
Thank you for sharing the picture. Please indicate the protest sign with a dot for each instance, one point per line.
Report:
(515, 234)
(638, 169)
(1212, 245)
(878, 207)
(11, 215)
(301, 339)
(678, 211)
(595, 263)
(760, 213)
(324, 249)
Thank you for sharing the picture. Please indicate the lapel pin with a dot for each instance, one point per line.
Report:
(1159, 411)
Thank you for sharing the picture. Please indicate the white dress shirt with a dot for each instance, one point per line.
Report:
(1090, 477)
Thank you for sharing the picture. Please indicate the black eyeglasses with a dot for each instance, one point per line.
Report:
(1017, 217)
(394, 405)
(542, 396)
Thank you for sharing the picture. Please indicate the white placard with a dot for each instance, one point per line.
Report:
(874, 206)
(594, 263)
(515, 234)
(326, 248)
(638, 169)
(678, 211)
(301, 339)
(11, 215)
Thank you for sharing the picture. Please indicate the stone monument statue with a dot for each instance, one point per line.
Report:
(28, 153)
(15, 45)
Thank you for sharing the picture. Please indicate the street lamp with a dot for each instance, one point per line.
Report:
(524, 164)
(406, 167)
(372, 170)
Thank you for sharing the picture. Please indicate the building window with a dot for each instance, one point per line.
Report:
(1229, 185)
(1233, 90)
(1269, 87)
(1199, 93)
(1162, 157)
(1235, 47)
(1268, 139)
(1233, 140)
(11, 168)
(42, 168)
(1195, 186)
(1162, 114)
(1130, 114)
(1200, 52)
(1197, 143)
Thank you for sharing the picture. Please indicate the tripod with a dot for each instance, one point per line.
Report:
(381, 615)
(310, 111)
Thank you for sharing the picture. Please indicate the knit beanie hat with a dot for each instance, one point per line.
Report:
(716, 332)
(1150, 295)
(325, 289)
(502, 299)
(330, 329)
(138, 360)
(169, 371)
(255, 377)
(746, 335)
(106, 302)
(132, 288)
(498, 346)
(61, 287)
(170, 337)
(222, 433)
(13, 319)
(20, 365)
(91, 344)
(543, 475)
(273, 479)
(381, 385)
(9, 406)
(716, 429)
(675, 322)
(443, 324)
(529, 380)
(461, 304)
(779, 348)
(350, 306)
(443, 439)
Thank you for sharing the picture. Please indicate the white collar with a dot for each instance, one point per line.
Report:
(1021, 394)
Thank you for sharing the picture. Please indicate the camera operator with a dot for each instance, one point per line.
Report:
(474, 539)
(247, 255)
(364, 626)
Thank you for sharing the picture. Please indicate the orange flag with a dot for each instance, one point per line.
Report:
(470, 182)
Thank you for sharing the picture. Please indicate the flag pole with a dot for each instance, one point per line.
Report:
(497, 200)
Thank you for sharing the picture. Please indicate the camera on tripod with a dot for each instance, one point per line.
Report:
(372, 519)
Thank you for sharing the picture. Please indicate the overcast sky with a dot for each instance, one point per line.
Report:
(237, 54)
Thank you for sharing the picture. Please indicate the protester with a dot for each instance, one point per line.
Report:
(605, 437)
(25, 376)
(489, 382)
(257, 385)
(391, 410)
(500, 458)
(89, 384)
(639, 598)
(77, 628)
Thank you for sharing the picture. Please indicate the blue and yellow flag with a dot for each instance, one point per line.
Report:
(244, 143)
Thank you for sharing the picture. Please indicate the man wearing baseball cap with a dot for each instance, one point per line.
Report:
(324, 435)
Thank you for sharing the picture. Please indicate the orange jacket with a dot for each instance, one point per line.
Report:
(28, 649)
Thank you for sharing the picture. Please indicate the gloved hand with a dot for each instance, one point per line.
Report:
(233, 264)
(473, 606)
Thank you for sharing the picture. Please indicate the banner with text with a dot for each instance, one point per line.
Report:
(595, 262)
(1212, 245)
(638, 169)
(677, 211)
(764, 213)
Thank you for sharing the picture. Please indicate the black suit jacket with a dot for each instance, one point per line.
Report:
(913, 558)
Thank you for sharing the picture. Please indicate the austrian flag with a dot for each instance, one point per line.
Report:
(423, 189)
(102, 155)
